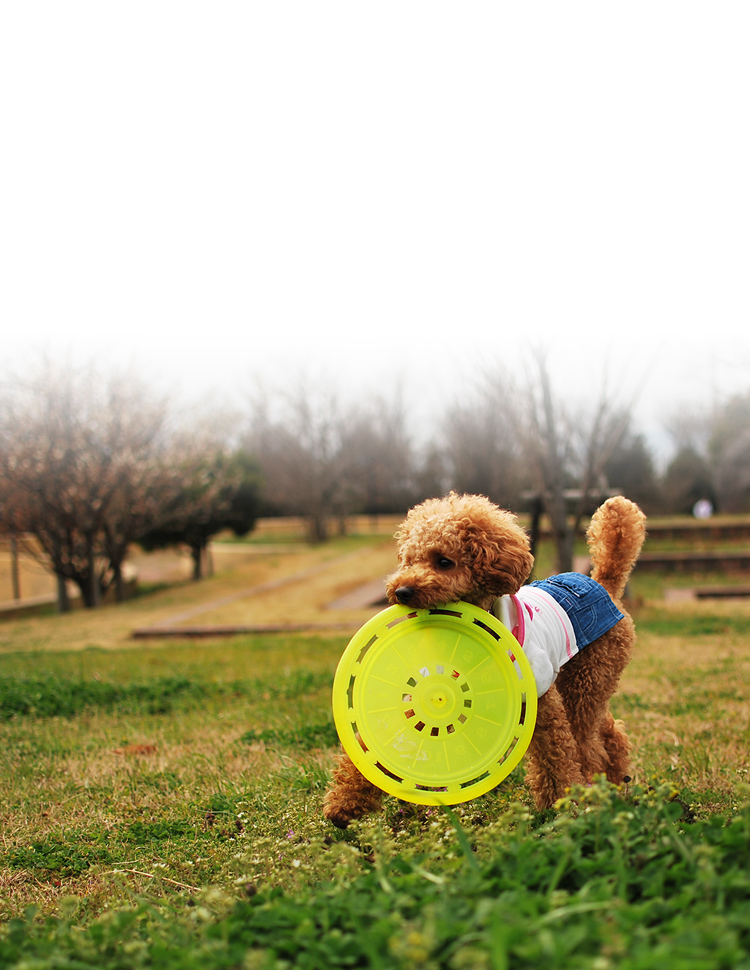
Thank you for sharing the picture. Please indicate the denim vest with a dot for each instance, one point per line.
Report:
(587, 603)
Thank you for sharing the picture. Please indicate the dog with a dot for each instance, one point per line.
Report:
(464, 547)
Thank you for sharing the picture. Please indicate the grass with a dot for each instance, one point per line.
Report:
(160, 804)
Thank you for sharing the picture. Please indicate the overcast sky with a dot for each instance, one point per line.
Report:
(381, 191)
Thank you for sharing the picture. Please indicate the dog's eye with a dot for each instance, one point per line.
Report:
(445, 563)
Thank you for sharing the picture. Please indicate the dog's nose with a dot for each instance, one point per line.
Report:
(404, 594)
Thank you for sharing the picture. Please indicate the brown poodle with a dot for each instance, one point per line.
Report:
(463, 547)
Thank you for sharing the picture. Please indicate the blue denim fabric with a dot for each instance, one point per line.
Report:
(586, 602)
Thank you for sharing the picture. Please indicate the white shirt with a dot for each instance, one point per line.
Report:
(542, 628)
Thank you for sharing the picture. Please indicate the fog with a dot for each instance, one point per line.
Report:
(381, 198)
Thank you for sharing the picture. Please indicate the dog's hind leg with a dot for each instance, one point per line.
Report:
(586, 685)
(352, 796)
(617, 746)
(554, 760)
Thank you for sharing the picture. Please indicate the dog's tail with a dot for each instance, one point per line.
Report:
(615, 537)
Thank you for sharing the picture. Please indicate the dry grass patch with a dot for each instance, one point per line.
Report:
(686, 705)
(308, 582)
(307, 600)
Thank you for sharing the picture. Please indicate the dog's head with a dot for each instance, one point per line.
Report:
(461, 547)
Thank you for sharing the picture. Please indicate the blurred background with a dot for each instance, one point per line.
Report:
(325, 260)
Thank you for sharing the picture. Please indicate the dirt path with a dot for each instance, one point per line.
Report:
(329, 587)
(314, 583)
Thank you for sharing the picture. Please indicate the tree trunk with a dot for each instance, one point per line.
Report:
(537, 508)
(116, 552)
(196, 553)
(553, 477)
(120, 592)
(63, 601)
(317, 527)
(14, 568)
(83, 582)
(91, 596)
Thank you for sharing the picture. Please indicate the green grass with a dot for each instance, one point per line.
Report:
(302, 738)
(161, 806)
(51, 696)
(628, 881)
(693, 624)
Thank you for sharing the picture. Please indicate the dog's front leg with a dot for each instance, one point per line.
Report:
(351, 796)
(554, 760)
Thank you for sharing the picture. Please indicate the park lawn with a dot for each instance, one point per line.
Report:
(160, 804)
(685, 699)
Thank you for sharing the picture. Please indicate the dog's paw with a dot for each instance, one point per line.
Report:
(336, 816)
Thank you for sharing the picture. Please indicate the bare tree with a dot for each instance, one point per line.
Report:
(483, 449)
(712, 456)
(298, 446)
(689, 429)
(378, 456)
(688, 479)
(87, 463)
(432, 472)
(48, 478)
(565, 447)
(631, 468)
(729, 453)
(323, 460)
(732, 475)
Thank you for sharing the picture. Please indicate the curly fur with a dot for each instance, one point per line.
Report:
(490, 553)
(463, 547)
(352, 795)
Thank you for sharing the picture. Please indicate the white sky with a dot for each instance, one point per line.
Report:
(411, 190)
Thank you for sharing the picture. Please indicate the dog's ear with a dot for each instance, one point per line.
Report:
(502, 559)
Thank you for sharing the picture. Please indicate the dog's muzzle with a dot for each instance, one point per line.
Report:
(404, 594)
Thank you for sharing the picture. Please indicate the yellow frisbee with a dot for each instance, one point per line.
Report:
(434, 706)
